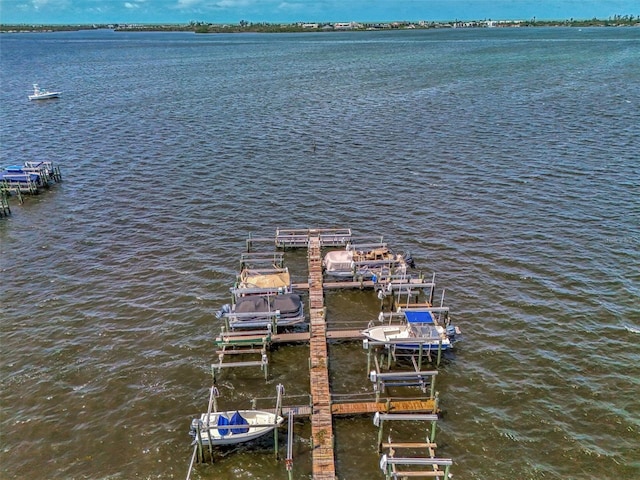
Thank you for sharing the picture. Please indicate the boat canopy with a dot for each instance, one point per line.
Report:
(416, 316)
(259, 279)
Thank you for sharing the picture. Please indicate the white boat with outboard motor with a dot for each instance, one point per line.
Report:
(235, 426)
(42, 94)
(420, 329)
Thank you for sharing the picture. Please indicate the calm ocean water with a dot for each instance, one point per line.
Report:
(506, 161)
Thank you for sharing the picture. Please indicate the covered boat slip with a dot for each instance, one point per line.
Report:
(260, 311)
(263, 297)
(264, 280)
(364, 258)
(29, 177)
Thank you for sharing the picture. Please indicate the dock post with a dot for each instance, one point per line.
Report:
(432, 393)
(439, 353)
(378, 421)
(199, 440)
(275, 442)
(289, 460)
(432, 437)
(433, 287)
(212, 395)
(278, 410)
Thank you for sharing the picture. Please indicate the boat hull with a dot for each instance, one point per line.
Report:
(46, 96)
(397, 334)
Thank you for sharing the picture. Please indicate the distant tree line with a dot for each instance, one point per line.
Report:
(264, 27)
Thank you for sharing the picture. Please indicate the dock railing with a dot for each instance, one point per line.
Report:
(252, 260)
(299, 238)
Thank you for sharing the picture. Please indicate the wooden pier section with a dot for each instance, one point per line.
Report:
(321, 419)
(322, 408)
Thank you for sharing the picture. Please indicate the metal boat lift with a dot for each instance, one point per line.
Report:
(430, 464)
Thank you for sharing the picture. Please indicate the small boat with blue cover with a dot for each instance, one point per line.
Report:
(228, 428)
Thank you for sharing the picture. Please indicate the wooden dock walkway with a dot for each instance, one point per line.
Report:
(321, 419)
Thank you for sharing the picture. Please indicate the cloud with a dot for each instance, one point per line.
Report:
(188, 3)
(234, 3)
(44, 4)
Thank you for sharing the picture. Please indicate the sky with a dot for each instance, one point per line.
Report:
(292, 11)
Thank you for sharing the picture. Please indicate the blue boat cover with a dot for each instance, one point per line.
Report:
(222, 421)
(418, 317)
(238, 419)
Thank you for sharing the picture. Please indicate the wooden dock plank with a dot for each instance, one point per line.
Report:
(398, 406)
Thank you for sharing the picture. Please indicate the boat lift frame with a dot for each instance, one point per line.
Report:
(252, 260)
(198, 450)
(243, 343)
(389, 462)
(422, 379)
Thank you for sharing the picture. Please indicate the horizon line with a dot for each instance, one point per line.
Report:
(628, 17)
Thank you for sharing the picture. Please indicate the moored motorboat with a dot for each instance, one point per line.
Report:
(42, 94)
(419, 330)
(365, 260)
(231, 427)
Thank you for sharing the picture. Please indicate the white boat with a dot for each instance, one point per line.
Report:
(237, 426)
(40, 94)
(420, 330)
(365, 260)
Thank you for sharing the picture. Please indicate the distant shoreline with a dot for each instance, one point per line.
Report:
(243, 26)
